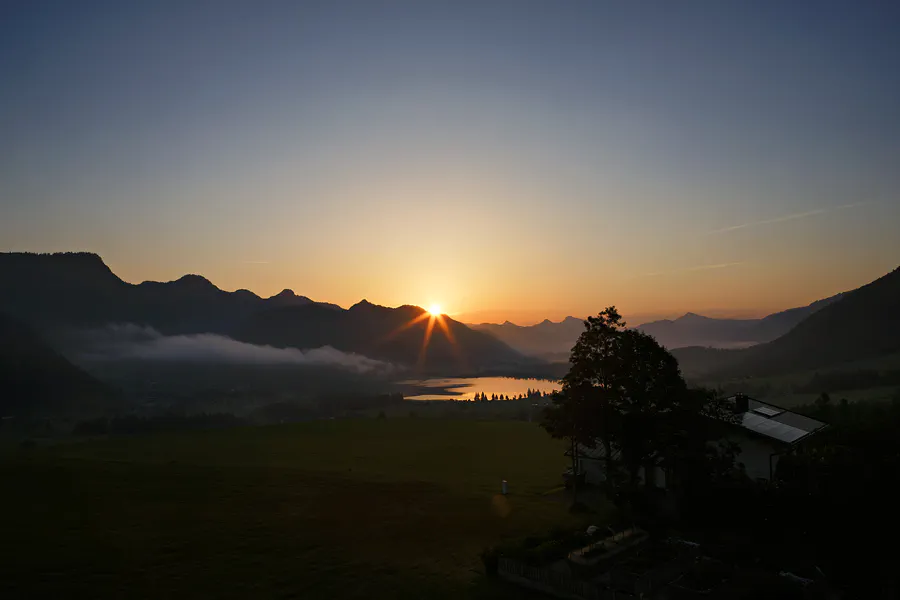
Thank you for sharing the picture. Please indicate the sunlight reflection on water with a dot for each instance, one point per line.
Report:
(467, 388)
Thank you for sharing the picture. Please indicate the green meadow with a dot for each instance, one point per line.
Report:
(395, 508)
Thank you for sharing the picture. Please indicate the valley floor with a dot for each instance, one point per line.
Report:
(333, 509)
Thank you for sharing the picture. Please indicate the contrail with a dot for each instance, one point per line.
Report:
(802, 215)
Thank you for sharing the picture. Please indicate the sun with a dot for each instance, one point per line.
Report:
(435, 310)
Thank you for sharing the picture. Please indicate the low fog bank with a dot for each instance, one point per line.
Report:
(135, 342)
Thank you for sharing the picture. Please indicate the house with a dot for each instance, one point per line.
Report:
(765, 433)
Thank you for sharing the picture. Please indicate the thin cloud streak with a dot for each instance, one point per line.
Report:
(716, 266)
(690, 269)
(793, 217)
(254, 262)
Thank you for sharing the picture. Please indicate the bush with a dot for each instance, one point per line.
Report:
(579, 508)
(537, 551)
(490, 558)
(549, 551)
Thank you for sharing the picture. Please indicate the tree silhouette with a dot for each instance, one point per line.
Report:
(621, 392)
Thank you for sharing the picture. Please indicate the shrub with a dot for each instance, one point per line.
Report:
(549, 551)
(579, 508)
(490, 558)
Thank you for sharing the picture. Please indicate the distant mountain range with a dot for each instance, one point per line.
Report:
(696, 330)
(547, 339)
(859, 325)
(554, 341)
(55, 293)
(35, 380)
(58, 292)
(390, 334)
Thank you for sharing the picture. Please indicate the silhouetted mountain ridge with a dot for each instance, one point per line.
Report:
(554, 341)
(545, 339)
(858, 325)
(692, 329)
(391, 334)
(77, 290)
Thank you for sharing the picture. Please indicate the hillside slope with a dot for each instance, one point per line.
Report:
(36, 381)
(862, 324)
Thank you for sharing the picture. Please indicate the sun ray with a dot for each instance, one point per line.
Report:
(447, 333)
(425, 339)
(454, 347)
(405, 326)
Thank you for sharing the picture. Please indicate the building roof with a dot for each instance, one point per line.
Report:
(775, 422)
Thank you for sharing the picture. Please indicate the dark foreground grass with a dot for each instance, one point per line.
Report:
(395, 508)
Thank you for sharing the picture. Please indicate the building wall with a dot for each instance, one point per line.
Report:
(595, 473)
(755, 454)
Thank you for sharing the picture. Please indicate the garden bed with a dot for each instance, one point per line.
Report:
(593, 554)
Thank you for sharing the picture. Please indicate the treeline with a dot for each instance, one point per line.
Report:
(836, 381)
(529, 395)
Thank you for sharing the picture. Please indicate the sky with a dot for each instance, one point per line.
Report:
(505, 160)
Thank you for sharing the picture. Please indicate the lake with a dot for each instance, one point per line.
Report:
(465, 388)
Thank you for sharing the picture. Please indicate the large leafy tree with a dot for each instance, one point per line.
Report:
(621, 392)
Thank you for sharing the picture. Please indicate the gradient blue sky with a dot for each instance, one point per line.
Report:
(512, 160)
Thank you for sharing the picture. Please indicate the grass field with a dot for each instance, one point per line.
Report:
(394, 508)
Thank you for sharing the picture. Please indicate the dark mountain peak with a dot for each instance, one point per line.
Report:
(364, 305)
(195, 282)
(690, 315)
(509, 324)
(70, 264)
(409, 310)
(246, 295)
(572, 320)
(287, 297)
(546, 322)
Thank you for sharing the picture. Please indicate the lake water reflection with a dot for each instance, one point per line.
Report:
(465, 388)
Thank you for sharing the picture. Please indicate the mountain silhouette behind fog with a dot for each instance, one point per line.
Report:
(61, 292)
